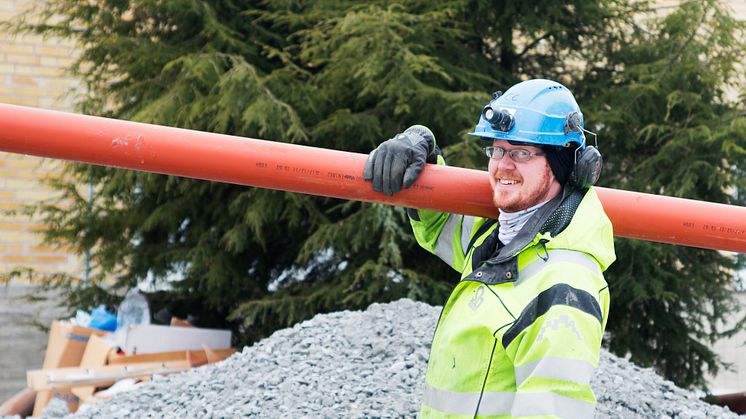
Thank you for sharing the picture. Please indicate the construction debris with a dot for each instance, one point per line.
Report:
(358, 364)
(81, 361)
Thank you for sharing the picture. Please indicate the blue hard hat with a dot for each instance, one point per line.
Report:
(541, 112)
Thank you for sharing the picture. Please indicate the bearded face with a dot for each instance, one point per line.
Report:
(517, 186)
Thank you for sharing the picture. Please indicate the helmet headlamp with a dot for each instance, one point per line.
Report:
(499, 120)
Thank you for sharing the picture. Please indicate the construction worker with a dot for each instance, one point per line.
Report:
(521, 333)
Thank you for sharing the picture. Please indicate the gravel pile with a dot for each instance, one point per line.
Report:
(358, 364)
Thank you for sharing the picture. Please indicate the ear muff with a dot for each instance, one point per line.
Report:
(587, 168)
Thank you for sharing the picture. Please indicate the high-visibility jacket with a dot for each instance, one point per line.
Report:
(521, 333)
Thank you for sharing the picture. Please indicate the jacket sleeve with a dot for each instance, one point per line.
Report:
(443, 234)
(555, 345)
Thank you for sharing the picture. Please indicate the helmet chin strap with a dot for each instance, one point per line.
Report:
(595, 136)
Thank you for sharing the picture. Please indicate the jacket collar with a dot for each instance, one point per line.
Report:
(502, 266)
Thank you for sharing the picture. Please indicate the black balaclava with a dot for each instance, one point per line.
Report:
(561, 160)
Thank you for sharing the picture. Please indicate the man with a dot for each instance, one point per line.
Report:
(521, 333)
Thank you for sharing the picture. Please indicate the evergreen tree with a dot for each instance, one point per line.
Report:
(347, 75)
(669, 129)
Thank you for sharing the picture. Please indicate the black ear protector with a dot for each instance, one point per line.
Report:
(587, 169)
(588, 162)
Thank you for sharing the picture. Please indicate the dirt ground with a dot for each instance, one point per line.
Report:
(22, 345)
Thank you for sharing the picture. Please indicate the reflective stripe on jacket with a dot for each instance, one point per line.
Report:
(520, 337)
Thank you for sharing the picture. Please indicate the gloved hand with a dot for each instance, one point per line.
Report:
(397, 162)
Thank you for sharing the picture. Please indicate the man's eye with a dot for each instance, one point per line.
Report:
(521, 154)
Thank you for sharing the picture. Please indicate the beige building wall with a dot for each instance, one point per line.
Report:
(31, 74)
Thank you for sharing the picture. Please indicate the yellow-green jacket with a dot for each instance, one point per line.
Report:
(521, 333)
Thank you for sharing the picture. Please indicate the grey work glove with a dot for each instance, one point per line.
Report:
(397, 162)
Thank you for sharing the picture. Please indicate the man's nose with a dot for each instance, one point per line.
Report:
(505, 163)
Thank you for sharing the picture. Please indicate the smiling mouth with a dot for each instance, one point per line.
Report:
(508, 182)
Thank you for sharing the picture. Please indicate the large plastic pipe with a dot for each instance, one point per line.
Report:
(338, 174)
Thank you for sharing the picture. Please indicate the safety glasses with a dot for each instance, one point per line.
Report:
(518, 155)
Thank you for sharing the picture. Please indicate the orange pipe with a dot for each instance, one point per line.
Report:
(338, 174)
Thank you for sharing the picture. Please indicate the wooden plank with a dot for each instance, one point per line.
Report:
(94, 356)
(212, 356)
(56, 378)
(197, 357)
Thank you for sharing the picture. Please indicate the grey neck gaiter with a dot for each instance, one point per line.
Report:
(512, 222)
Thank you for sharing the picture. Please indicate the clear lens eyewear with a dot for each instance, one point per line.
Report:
(518, 155)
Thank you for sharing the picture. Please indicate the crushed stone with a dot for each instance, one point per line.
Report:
(359, 364)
